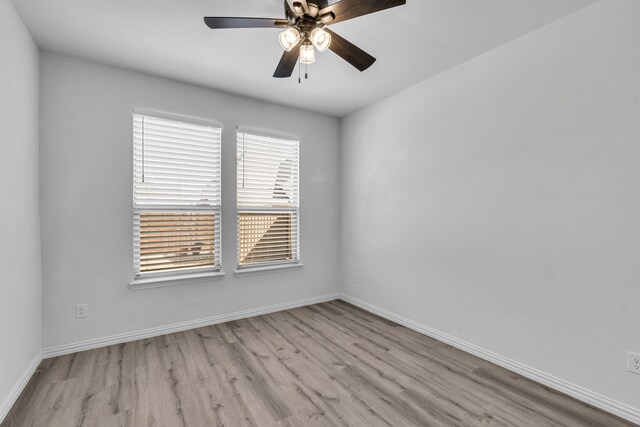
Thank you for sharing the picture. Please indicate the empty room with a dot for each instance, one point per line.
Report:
(319, 213)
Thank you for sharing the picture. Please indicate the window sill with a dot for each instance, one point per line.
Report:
(266, 269)
(182, 279)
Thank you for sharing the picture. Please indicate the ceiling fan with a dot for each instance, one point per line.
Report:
(305, 27)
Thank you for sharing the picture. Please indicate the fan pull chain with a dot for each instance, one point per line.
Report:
(299, 67)
(306, 73)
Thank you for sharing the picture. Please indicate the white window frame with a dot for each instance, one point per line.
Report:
(142, 280)
(273, 266)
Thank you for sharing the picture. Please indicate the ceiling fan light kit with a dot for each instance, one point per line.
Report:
(305, 27)
(289, 38)
(307, 54)
(320, 39)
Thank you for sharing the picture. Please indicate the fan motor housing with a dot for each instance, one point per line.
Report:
(305, 22)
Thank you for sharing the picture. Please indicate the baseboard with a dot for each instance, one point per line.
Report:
(75, 347)
(8, 402)
(580, 393)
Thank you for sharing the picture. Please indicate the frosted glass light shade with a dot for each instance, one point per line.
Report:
(289, 38)
(320, 39)
(307, 54)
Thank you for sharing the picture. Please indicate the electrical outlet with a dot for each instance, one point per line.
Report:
(633, 363)
(81, 311)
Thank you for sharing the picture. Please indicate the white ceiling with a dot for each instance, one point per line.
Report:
(168, 38)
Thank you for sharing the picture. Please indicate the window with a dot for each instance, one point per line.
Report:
(176, 196)
(268, 202)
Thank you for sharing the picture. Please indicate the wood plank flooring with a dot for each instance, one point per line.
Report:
(330, 364)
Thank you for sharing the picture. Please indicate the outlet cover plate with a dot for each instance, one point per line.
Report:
(633, 363)
(81, 311)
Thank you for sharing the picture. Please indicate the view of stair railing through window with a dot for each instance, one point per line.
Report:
(176, 240)
(265, 237)
(268, 201)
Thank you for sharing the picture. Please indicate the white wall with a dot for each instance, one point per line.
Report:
(86, 170)
(20, 282)
(499, 202)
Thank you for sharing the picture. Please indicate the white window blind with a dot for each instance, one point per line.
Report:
(268, 200)
(176, 195)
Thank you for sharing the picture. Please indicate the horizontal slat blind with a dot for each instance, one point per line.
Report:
(179, 240)
(176, 195)
(268, 200)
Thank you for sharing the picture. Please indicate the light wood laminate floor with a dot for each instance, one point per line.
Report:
(330, 364)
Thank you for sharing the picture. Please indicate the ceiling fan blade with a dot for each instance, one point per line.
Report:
(350, 52)
(287, 63)
(349, 9)
(229, 22)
